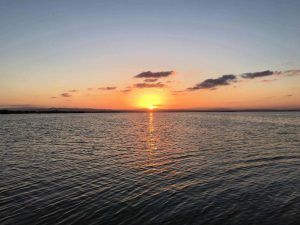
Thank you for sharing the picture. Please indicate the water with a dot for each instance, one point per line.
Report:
(150, 168)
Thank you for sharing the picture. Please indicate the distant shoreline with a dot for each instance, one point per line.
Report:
(59, 111)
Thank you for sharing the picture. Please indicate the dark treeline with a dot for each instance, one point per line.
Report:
(8, 111)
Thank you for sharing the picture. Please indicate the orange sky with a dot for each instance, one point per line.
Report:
(278, 90)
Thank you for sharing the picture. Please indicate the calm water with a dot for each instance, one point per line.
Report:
(150, 168)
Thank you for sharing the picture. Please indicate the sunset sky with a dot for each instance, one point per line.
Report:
(150, 54)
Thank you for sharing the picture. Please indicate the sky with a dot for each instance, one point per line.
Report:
(150, 54)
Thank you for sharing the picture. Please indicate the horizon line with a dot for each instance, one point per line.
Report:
(45, 110)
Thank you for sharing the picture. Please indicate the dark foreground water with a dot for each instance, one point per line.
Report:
(150, 168)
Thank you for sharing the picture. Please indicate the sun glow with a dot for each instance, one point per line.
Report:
(150, 101)
(151, 107)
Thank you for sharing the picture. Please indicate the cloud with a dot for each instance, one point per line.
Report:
(288, 72)
(149, 74)
(151, 80)
(128, 89)
(213, 83)
(267, 81)
(89, 89)
(150, 85)
(178, 92)
(107, 88)
(269, 73)
(257, 74)
(227, 79)
(73, 90)
(66, 95)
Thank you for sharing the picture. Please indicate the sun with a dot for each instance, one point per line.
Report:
(150, 101)
(151, 107)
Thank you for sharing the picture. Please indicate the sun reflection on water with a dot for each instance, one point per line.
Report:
(151, 140)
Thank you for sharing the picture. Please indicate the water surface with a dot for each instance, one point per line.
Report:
(150, 168)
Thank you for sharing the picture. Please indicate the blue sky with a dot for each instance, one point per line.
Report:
(80, 43)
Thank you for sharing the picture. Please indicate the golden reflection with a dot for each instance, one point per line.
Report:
(151, 140)
(154, 158)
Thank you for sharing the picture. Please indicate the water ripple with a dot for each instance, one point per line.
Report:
(150, 168)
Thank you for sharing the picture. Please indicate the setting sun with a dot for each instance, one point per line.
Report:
(151, 107)
(150, 101)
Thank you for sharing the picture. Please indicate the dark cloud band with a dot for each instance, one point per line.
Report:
(150, 74)
(257, 74)
(213, 83)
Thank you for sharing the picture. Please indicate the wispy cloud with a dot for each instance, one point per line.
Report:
(288, 72)
(107, 88)
(213, 83)
(150, 85)
(66, 95)
(178, 92)
(73, 90)
(127, 90)
(149, 74)
(151, 80)
(268, 80)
